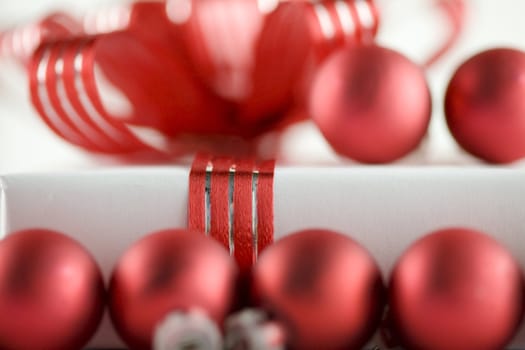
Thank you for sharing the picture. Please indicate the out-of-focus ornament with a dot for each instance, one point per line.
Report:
(371, 103)
(172, 289)
(456, 289)
(484, 105)
(51, 292)
(320, 290)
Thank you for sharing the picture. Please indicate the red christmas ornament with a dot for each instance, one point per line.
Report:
(485, 108)
(371, 103)
(324, 290)
(172, 287)
(456, 289)
(51, 292)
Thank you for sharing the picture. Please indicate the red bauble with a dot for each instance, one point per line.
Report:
(456, 289)
(165, 273)
(322, 287)
(485, 108)
(371, 103)
(51, 292)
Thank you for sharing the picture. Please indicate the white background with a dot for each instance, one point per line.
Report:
(414, 27)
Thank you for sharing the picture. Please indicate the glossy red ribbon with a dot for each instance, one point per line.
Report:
(227, 68)
(232, 201)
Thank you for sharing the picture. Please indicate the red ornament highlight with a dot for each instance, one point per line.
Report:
(484, 105)
(51, 292)
(456, 289)
(371, 103)
(324, 290)
(173, 286)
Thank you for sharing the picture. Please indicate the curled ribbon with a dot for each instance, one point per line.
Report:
(184, 67)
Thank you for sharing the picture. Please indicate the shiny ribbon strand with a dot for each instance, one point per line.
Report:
(231, 200)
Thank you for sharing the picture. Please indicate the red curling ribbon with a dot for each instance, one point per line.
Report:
(20, 43)
(159, 73)
(455, 10)
(228, 68)
(64, 92)
(149, 71)
(232, 201)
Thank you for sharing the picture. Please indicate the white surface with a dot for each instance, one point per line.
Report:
(414, 27)
(109, 210)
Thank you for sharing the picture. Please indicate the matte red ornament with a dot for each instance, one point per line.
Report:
(485, 108)
(456, 289)
(168, 281)
(323, 289)
(51, 292)
(371, 103)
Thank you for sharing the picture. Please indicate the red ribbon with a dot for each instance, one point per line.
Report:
(227, 69)
(232, 201)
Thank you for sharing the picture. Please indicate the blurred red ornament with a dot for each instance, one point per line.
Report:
(485, 108)
(371, 103)
(51, 292)
(176, 283)
(322, 288)
(456, 289)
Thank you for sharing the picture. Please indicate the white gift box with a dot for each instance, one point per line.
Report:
(385, 209)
